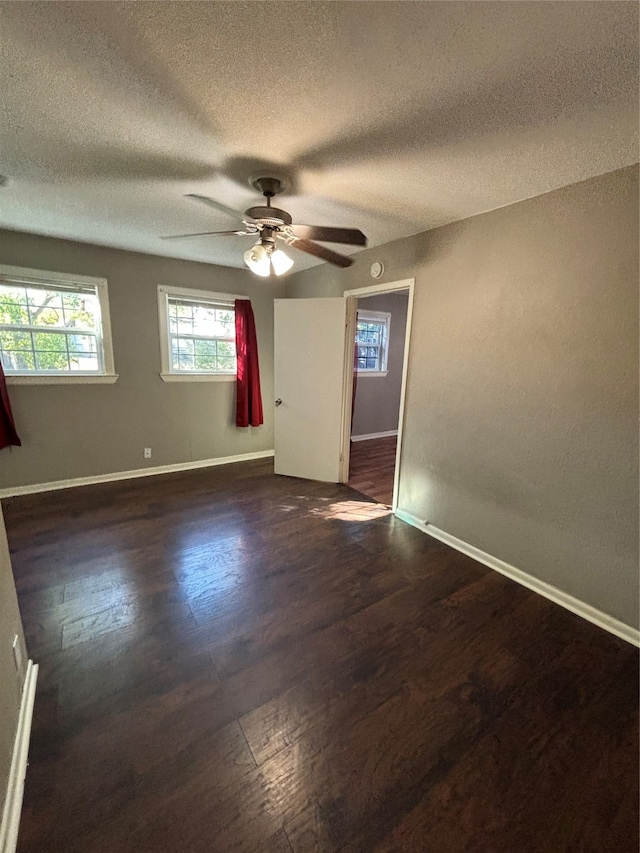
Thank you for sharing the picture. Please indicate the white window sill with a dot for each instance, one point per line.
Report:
(198, 377)
(62, 379)
(372, 373)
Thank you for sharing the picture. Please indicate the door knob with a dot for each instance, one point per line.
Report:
(278, 402)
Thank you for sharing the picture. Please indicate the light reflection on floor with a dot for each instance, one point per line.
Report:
(209, 572)
(212, 570)
(352, 511)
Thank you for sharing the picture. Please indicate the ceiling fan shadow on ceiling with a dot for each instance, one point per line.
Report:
(269, 224)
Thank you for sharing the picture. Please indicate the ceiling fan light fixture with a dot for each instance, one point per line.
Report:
(264, 257)
(280, 261)
(257, 259)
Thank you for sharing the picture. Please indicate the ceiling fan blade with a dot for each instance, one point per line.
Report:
(216, 205)
(319, 251)
(211, 234)
(349, 236)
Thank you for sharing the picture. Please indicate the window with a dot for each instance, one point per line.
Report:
(54, 328)
(372, 342)
(198, 335)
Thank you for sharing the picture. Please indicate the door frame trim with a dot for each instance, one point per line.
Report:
(352, 297)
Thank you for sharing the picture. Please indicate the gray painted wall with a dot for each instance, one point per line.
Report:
(11, 681)
(521, 422)
(377, 403)
(84, 430)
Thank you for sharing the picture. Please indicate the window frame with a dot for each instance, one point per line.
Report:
(167, 373)
(41, 278)
(382, 317)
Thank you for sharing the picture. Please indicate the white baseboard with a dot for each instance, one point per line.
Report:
(15, 788)
(13, 491)
(370, 435)
(591, 614)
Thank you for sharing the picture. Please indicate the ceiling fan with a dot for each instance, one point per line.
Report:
(269, 223)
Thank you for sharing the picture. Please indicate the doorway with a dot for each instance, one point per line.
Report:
(313, 383)
(378, 329)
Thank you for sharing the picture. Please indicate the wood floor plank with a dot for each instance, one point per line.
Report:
(372, 466)
(234, 662)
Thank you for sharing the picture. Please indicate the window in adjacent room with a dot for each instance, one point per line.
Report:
(54, 327)
(372, 342)
(197, 331)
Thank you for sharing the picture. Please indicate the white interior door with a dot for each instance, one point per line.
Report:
(309, 365)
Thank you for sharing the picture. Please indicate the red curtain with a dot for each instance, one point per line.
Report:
(248, 397)
(8, 434)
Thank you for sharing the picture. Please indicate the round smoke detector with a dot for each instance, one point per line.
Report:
(377, 268)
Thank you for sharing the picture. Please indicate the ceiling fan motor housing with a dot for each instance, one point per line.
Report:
(269, 215)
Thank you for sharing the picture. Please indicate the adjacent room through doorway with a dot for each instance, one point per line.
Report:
(377, 387)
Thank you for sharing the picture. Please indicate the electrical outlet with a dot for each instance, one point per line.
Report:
(147, 453)
(17, 653)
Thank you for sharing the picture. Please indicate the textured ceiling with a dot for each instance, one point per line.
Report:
(388, 117)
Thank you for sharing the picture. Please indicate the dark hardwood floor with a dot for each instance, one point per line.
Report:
(234, 662)
(372, 465)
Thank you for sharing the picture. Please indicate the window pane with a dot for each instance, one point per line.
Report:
(183, 361)
(181, 319)
(205, 355)
(87, 361)
(16, 349)
(13, 306)
(204, 320)
(55, 341)
(12, 293)
(45, 316)
(45, 306)
(207, 348)
(82, 343)
(226, 322)
(15, 340)
(75, 302)
(17, 360)
(182, 354)
(39, 297)
(183, 344)
(52, 360)
(205, 363)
